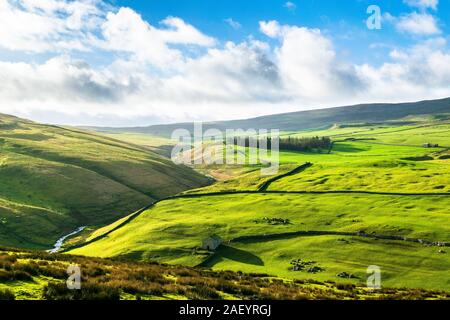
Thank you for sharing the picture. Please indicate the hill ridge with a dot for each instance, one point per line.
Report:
(308, 119)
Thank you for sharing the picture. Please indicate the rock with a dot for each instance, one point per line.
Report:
(346, 275)
(315, 269)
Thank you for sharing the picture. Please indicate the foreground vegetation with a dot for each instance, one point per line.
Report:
(36, 275)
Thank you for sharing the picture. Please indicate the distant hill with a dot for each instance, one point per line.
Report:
(304, 120)
(55, 179)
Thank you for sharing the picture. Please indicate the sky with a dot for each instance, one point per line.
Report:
(136, 63)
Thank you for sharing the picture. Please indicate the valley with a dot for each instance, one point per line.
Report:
(380, 196)
(56, 179)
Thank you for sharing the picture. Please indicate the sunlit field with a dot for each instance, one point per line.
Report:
(360, 188)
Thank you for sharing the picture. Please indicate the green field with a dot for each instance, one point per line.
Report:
(172, 230)
(387, 184)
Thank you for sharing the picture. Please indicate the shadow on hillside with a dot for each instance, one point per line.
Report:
(164, 150)
(345, 147)
(239, 255)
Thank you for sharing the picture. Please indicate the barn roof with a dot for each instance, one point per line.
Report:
(215, 237)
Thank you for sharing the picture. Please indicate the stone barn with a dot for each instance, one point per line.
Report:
(211, 243)
(431, 145)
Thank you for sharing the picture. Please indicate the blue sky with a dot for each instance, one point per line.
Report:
(134, 62)
(344, 21)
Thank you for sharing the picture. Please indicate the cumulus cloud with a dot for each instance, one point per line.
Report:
(271, 29)
(180, 32)
(48, 25)
(126, 31)
(418, 24)
(153, 76)
(60, 78)
(423, 4)
(308, 63)
(419, 72)
(236, 80)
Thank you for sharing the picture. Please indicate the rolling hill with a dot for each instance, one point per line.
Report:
(378, 198)
(303, 120)
(56, 179)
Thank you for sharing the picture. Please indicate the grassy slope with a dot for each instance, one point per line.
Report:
(371, 167)
(383, 162)
(171, 230)
(55, 179)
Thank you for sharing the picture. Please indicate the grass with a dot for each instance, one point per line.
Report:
(172, 231)
(373, 174)
(157, 144)
(372, 166)
(409, 135)
(56, 179)
(401, 264)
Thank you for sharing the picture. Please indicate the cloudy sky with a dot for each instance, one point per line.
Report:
(122, 63)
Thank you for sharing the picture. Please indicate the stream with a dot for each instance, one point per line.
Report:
(59, 243)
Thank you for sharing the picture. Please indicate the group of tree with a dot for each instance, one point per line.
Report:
(288, 144)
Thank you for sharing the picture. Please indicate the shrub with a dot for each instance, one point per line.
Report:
(6, 294)
(345, 286)
(15, 275)
(202, 292)
(89, 291)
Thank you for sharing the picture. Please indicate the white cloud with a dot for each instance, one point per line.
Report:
(418, 24)
(47, 25)
(59, 78)
(235, 81)
(232, 23)
(179, 32)
(154, 77)
(422, 4)
(270, 28)
(126, 31)
(420, 72)
(308, 64)
(290, 6)
(63, 25)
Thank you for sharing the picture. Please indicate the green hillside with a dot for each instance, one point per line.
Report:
(55, 179)
(379, 198)
(295, 121)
